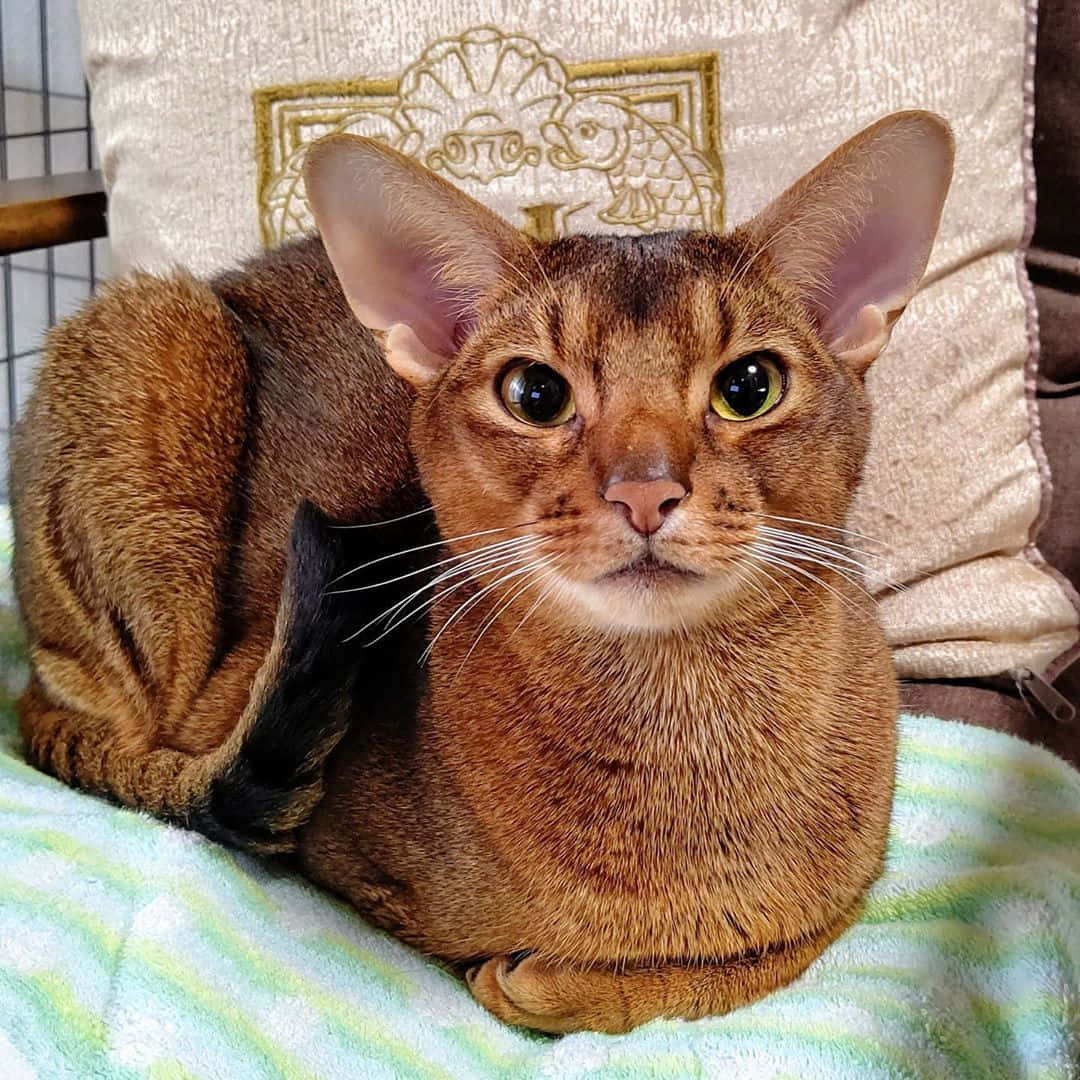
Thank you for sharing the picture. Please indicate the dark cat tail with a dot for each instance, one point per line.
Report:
(271, 776)
(260, 785)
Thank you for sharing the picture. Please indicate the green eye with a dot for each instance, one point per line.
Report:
(537, 395)
(748, 388)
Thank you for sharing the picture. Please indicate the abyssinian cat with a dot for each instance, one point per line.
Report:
(645, 766)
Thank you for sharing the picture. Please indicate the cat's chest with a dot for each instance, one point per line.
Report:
(628, 785)
(510, 822)
(626, 849)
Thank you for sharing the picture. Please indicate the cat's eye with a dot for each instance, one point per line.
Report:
(747, 388)
(537, 394)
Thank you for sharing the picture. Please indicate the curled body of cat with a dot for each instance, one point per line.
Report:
(645, 765)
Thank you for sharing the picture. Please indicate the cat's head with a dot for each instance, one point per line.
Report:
(632, 417)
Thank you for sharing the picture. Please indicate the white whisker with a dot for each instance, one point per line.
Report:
(473, 572)
(398, 616)
(529, 582)
(477, 552)
(428, 547)
(755, 567)
(802, 556)
(806, 543)
(783, 564)
(389, 521)
(843, 565)
(544, 594)
(470, 603)
(827, 528)
(832, 546)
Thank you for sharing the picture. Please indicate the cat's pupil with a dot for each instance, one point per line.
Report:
(745, 386)
(543, 393)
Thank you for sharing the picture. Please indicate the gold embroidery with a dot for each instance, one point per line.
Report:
(615, 144)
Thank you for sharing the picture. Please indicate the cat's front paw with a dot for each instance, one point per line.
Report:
(547, 996)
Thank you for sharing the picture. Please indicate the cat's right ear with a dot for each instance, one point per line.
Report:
(415, 256)
(854, 235)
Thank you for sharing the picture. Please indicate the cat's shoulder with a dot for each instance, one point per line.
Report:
(292, 286)
(142, 327)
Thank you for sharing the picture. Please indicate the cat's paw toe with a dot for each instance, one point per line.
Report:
(531, 992)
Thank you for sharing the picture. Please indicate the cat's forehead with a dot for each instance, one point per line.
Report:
(653, 305)
(638, 278)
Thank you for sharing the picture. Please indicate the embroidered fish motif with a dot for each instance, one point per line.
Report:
(658, 178)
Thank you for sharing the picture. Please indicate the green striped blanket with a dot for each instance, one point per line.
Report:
(131, 949)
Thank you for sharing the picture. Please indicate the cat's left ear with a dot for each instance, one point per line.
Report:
(854, 234)
(415, 256)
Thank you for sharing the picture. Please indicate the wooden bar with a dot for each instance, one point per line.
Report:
(50, 210)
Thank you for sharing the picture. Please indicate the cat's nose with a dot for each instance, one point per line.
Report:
(646, 502)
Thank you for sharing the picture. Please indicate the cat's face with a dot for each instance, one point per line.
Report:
(628, 421)
(630, 414)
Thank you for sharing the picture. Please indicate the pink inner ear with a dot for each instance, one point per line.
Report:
(875, 269)
(408, 248)
(412, 293)
(410, 357)
(856, 231)
(451, 309)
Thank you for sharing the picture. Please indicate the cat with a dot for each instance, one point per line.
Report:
(597, 485)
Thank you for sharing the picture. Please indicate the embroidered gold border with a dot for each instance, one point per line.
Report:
(263, 100)
(705, 64)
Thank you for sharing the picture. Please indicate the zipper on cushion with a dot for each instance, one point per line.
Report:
(1040, 697)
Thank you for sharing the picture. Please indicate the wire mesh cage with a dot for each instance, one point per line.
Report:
(45, 129)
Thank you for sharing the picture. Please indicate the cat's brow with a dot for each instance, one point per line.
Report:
(555, 326)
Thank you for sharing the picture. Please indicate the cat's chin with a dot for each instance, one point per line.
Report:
(653, 600)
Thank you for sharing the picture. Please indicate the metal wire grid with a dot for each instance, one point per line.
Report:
(45, 129)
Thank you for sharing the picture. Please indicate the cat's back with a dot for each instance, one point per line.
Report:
(328, 419)
(175, 426)
(123, 468)
(140, 387)
(156, 360)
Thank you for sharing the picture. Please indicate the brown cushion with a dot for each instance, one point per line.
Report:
(1054, 264)
(991, 709)
(1057, 126)
(1059, 543)
(1060, 538)
(1059, 330)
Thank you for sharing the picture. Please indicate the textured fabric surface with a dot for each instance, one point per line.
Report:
(673, 113)
(131, 949)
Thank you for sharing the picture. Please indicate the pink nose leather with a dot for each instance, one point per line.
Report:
(647, 502)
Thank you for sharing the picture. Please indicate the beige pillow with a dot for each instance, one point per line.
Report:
(639, 116)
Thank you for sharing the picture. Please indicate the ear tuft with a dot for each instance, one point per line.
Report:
(855, 234)
(411, 251)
